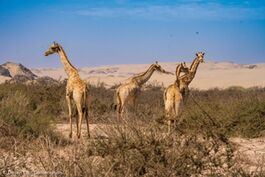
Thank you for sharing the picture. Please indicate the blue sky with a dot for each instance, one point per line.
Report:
(105, 32)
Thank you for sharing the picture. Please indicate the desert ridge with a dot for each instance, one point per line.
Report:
(209, 75)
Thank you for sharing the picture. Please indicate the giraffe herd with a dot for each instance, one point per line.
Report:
(175, 94)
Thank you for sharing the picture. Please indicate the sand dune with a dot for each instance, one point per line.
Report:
(209, 74)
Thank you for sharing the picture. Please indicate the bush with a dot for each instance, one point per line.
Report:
(137, 146)
(129, 149)
(148, 151)
(19, 118)
(238, 112)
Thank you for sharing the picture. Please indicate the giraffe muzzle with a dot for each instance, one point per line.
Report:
(167, 72)
(47, 53)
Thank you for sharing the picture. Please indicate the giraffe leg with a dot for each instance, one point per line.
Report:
(121, 110)
(119, 104)
(87, 123)
(169, 126)
(77, 120)
(125, 108)
(80, 116)
(174, 124)
(68, 99)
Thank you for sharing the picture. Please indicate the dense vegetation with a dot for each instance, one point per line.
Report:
(235, 111)
(138, 145)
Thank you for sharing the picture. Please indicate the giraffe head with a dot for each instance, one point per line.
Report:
(158, 68)
(53, 49)
(184, 68)
(200, 56)
(181, 68)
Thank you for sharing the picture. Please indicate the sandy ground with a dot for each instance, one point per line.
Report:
(96, 130)
(209, 74)
(250, 151)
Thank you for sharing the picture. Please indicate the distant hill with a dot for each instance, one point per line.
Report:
(18, 69)
(17, 73)
(4, 72)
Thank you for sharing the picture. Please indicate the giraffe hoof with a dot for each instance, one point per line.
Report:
(78, 136)
(70, 135)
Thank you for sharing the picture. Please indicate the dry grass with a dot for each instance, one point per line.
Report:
(137, 146)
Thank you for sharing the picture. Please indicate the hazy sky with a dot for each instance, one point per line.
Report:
(104, 32)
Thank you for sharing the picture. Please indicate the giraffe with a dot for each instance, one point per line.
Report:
(76, 89)
(186, 79)
(127, 92)
(173, 98)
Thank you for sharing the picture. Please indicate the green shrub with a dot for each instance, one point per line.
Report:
(17, 113)
(237, 111)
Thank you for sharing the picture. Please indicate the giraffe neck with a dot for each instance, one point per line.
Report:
(187, 78)
(192, 64)
(144, 77)
(68, 67)
(194, 67)
(178, 70)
